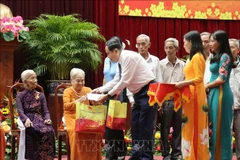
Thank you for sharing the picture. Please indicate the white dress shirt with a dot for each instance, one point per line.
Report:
(207, 73)
(172, 73)
(136, 73)
(235, 85)
(153, 62)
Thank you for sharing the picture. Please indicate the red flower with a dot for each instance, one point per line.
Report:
(2, 117)
(233, 134)
(126, 139)
(233, 145)
(158, 148)
(1, 106)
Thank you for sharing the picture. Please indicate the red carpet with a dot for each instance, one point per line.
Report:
(155, 158)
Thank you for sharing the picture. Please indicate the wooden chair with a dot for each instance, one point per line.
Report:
(61, 132)
(14, 89)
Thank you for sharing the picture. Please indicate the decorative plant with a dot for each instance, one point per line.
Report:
(59, 43)
(13, 27)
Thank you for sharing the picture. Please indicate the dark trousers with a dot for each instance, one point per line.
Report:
(114, 139)
(171, 118)
(142, 126)
(116, 145)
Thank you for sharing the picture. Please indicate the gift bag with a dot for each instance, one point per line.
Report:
(117, 115)
(90, 119)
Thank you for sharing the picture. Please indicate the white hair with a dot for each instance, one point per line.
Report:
(75, 72)
(26, 74)
(205, 34)
(174, 40)
(144, 36)
(235, 41)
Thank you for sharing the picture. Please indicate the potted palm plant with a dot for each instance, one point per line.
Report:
(59, 43)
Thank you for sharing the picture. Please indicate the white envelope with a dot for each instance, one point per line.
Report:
(93, 96)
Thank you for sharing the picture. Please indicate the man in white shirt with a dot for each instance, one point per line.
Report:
(136, 76)
(208, 55)
(172, 71)
(235, 86)
(143, 44)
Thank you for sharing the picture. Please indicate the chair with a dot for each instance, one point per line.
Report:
(61, 132)
(14, 89)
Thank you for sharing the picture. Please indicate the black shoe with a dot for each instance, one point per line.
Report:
(167, 157)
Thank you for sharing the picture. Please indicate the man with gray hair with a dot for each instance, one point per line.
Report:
(143, 44)
(172, 71)
(208, 55)
(235, 86)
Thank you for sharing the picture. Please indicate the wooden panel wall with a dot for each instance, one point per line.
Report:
(6, 65)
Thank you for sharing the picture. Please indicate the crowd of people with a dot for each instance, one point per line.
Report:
(212, 73)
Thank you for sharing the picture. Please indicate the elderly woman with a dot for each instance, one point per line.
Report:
(34, 114)
(83, 145)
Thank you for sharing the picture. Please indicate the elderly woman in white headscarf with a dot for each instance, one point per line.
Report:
(34, 114)
(83, 145)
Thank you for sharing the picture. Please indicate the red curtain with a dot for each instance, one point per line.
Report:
(160, 29)
(30, 9)
(105, 14)
(106, 17)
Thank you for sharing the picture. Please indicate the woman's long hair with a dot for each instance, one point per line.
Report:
(196, 41)
(222, 38)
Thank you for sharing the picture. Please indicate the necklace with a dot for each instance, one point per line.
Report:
(76, 93)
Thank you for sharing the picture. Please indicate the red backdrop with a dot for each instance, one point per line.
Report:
(105, 15)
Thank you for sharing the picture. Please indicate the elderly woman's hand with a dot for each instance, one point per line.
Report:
(81, 99)
(28, 123)
(48, 121)
(95, 103)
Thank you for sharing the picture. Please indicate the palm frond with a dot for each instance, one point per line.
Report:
(58, 43)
